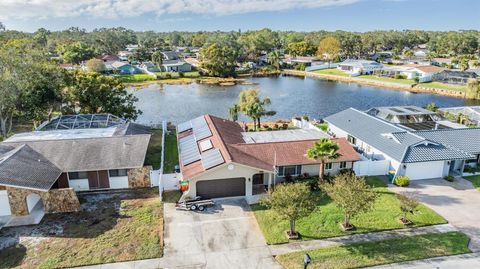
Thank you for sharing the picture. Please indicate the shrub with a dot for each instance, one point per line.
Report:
(470, 169)
(168, 75)
(416, 79)
(400, 76)
(275, 126)
(323, 126)
(265, 126)
(285, 126)
(402, 181)
(306, 118)
(181, 74)
(449, 178)
(269, 129)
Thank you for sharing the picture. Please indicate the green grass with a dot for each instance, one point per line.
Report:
(135, 78)
(443, 86)
(154, 151)
(387, 79)
(380, 252)
(116, 228)
(332, 71)
(171, 152)
(475, 181)
(322, 126)
(324, 221)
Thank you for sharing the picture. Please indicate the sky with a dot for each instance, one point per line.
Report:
(211, 15)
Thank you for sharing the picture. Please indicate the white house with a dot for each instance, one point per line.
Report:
(359, 67)
(176, 66)
(416, 154)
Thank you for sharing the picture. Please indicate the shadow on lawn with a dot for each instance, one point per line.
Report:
(12, 256)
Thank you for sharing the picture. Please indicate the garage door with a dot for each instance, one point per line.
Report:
(221, 187)
(425, 170)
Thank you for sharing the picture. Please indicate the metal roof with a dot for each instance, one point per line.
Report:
(399, 144)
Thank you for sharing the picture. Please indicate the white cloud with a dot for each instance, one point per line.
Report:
(29, 9)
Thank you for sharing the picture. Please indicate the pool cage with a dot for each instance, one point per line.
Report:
(81, 121)
(471, 112)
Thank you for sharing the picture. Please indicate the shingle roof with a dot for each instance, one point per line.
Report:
(227, 137)
(90, 154)
(394, 141)
(467, 140)
(24, 167)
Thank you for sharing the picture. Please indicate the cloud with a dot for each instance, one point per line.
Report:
(31, 9)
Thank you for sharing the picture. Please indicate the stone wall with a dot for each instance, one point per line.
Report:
(139, 177)
(54, 201)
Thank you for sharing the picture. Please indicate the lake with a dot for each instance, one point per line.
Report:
(291, 96)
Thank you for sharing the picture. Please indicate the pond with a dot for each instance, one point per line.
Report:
(291, 96)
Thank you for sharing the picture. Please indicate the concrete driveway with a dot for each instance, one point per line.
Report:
(458, 202)
(224, 236)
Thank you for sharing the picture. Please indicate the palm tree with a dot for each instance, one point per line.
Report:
(274, 59)
(157, 59)
(253, 107)
(323, 150)
(233, 112)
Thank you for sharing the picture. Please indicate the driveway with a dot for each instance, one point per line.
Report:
(458, 202)
(224, 236)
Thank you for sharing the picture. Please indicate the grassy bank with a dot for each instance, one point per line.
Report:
(475, 181)
(387, 79)
(324, 221)
(332, 71)
(154, 151)
(439, 85)
(171, 152)
(380, 252)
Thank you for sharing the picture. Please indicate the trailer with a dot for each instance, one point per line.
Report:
(196, 204)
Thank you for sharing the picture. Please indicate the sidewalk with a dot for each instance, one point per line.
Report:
(358, 238)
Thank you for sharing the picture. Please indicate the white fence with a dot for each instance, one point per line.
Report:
(371, 168)
(170, 182)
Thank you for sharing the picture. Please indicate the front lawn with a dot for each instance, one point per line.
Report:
(475, 181)
(175, 75)
(387, 79)
(324, 221)
(111, 227)
(154, 151)
(381, 252)
(171, 152)
(443, 86)
(332, 71)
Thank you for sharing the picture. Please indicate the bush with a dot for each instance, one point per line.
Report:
(168, 75)
(416, 79)
(449, 178)
(181, 74)
(265, 126)
(312, 182)
(285, 126)
(400, 76)
(470, 169)
(269, 129)
(275, 126)
(306, 118)
(402, 181)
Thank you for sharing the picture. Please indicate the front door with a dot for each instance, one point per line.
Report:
(258, 179)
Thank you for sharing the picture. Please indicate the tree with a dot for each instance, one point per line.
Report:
(351, 194)
(291, 202)
(253, 107)
(218, 60)
(329, 49)
(432, 107)
(473, 89)
(408, 204)
(408, 53)
(157, 59)
(76, 52)
(141, 54)
(301, 48)
(233, 112)
(94, 93)
(112, 40)
(96, 65)
(323, 150)
(274, 59)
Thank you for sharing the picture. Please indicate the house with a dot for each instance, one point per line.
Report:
(123, 55)
(170, 55)
(306, 60)
(359, 67)
(444, 62)
(424, 73)
(109, 58)
(454, 77)
(41, 171)
(417, 154)
(383, 57)
(176, 66)
(131, 47)
(124, 68)
(150, 67)
(219, 159)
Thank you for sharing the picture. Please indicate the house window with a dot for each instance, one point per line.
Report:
(77, 175)
(343, 165)
(118, 173)
(352, 139)
(328, 166)
(292, 170)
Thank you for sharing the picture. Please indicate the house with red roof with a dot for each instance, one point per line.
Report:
(219, 159)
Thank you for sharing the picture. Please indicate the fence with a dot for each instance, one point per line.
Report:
(371, 168)
(162, 160)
